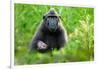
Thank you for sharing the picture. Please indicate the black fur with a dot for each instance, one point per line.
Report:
(54, 39)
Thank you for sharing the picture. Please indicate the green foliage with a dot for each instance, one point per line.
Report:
(78, 22)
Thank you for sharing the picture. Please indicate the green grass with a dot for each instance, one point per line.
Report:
(78, 22)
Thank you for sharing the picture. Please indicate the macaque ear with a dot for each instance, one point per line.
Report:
(43, 16)
(60, 17)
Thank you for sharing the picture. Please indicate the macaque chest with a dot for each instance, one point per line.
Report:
(51, 41)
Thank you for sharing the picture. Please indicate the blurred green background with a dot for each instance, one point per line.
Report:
(78, 21)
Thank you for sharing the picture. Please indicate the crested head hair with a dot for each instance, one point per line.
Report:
(51, 12)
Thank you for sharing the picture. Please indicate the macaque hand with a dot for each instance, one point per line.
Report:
(41, 45)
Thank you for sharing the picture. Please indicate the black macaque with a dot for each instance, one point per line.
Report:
(50, 35)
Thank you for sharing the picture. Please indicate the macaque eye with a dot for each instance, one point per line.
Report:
(48, 23)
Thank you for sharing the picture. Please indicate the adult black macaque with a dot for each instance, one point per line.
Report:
(50, 35)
